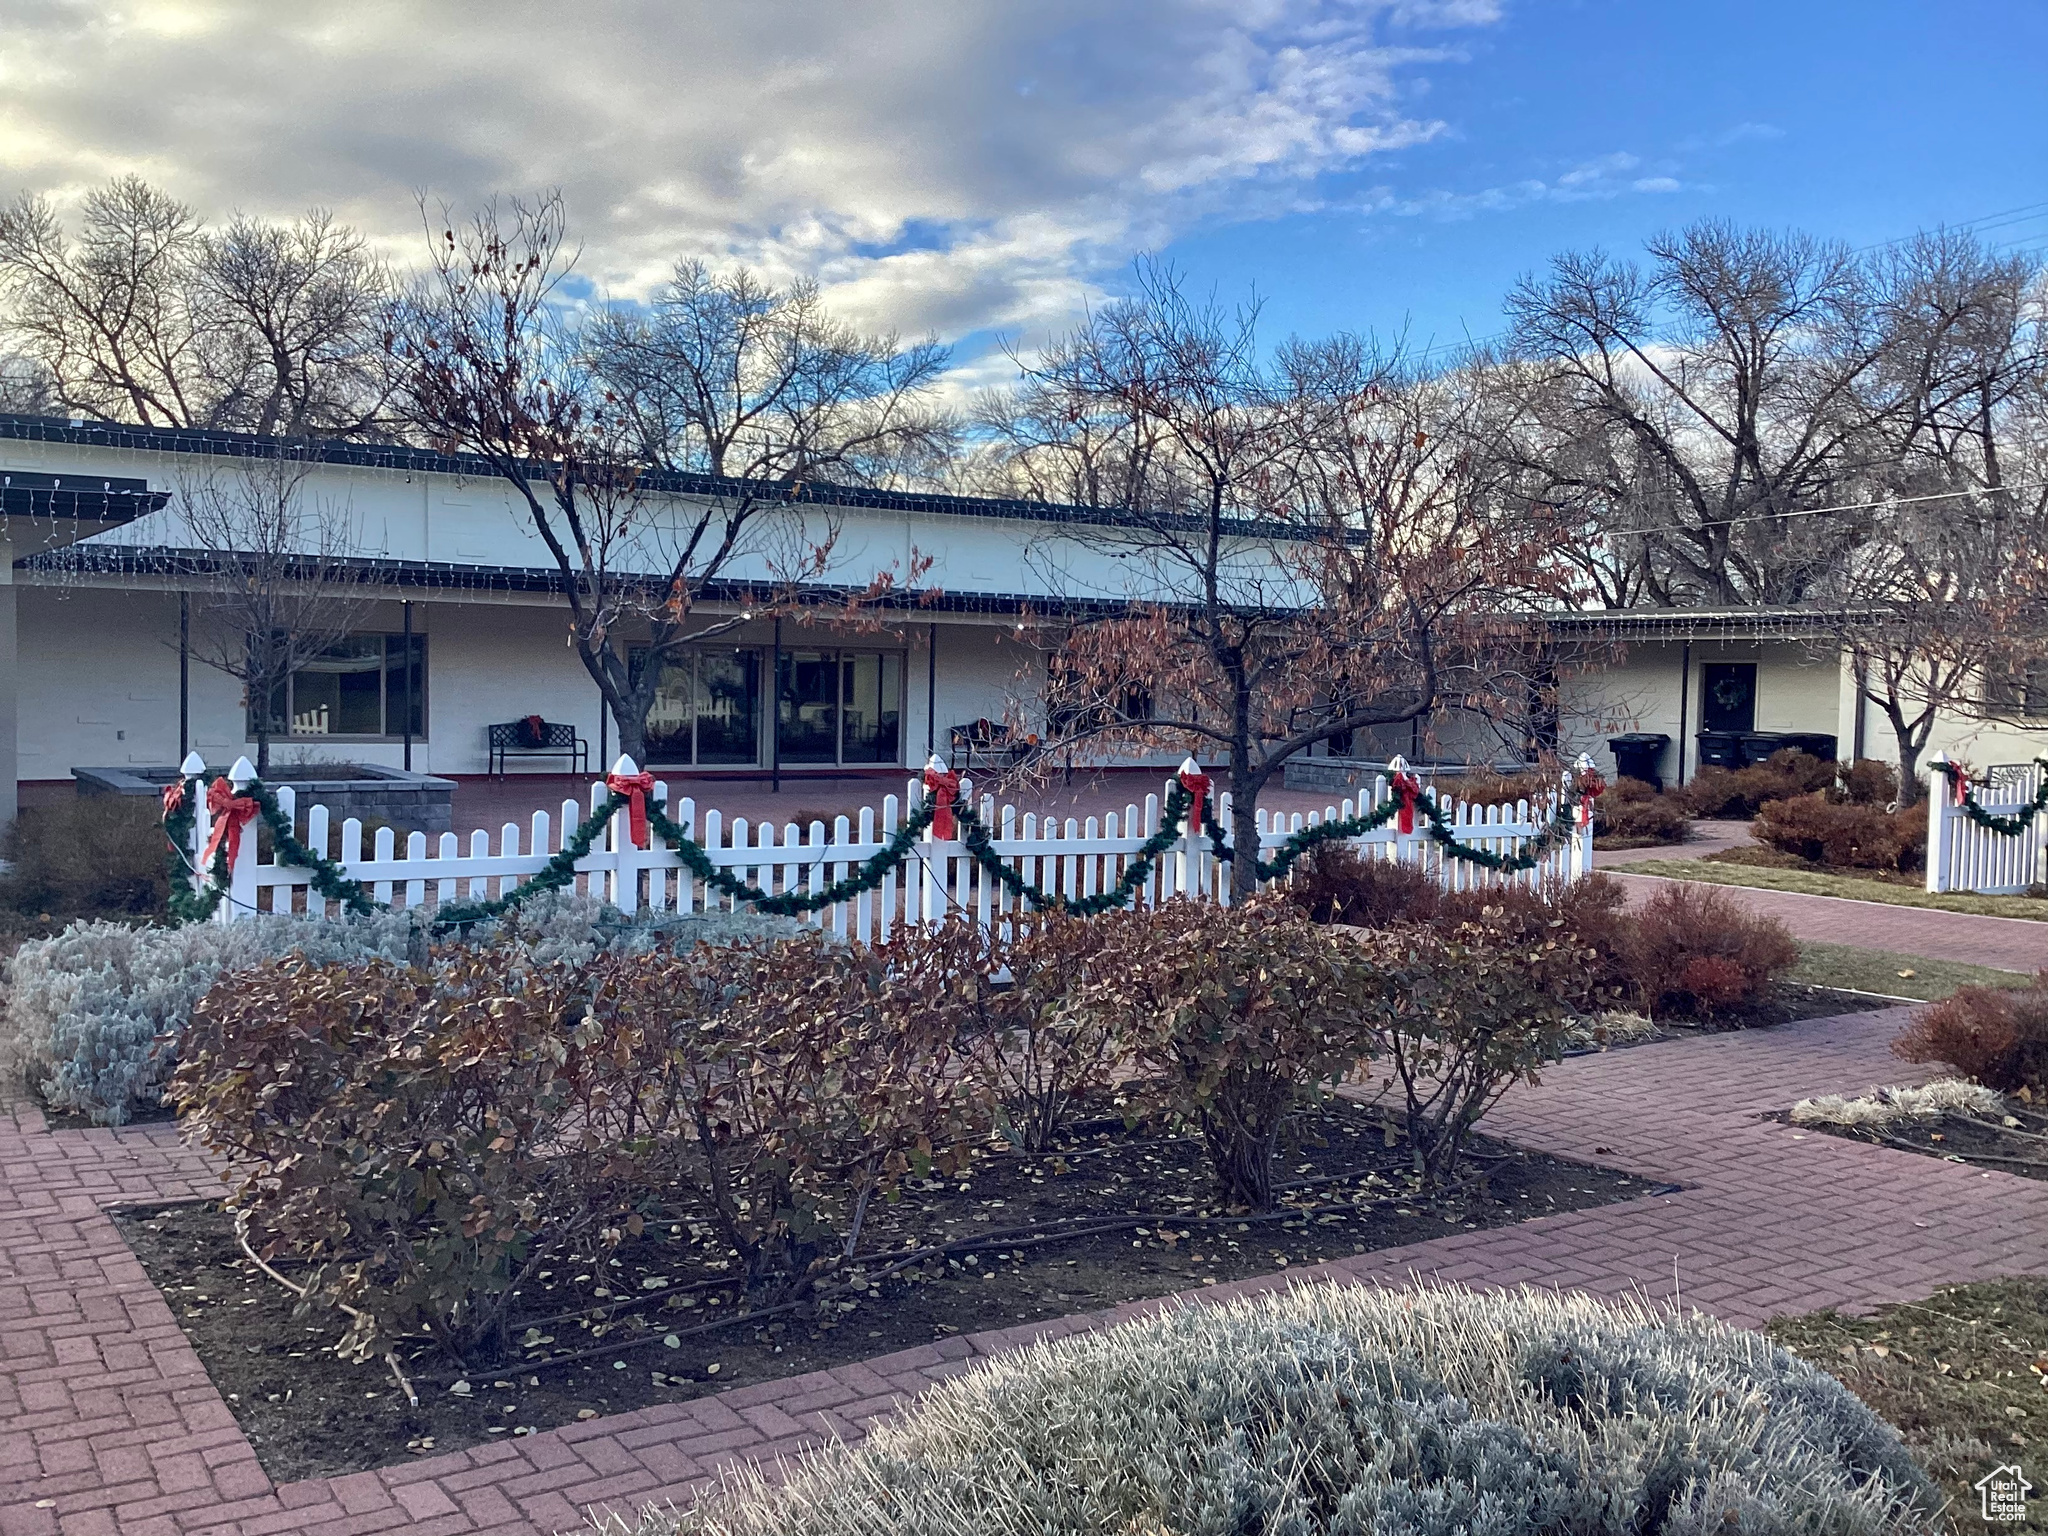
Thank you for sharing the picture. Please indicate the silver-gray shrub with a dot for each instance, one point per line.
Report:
(94, 1013)
(1356, 1411)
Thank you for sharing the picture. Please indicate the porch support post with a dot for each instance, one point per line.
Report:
(10, 747)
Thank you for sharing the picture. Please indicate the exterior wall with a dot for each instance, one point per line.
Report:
(1980, 743)
(98, 682)
(1799, 688)
(460, 520)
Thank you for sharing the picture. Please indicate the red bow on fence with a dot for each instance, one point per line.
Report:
(944, 785)
(1196, 784)
(1591, 788)
(174, 797)
(636, 787)
(1409, 788)
(231, 812)
(1959, 783)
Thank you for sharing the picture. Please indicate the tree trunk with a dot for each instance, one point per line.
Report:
(1244, 841)
(1909, 769)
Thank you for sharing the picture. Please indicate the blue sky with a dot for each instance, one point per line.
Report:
(991, 168)
(1857, 122)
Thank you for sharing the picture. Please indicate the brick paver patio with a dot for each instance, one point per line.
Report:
(108, 1422)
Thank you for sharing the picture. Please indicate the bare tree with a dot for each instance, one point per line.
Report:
(279, 574)
(146, 317)
(726, 378)
(1716, 396)
(1302, 562)
(1941, 608)
(109, 316)
(295, 315)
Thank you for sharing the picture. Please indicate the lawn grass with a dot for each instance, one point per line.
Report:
(1959, 1375)
(1850, 969)
(1811, 883)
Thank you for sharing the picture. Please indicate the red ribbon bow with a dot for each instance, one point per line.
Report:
(174, 797)
(1591, 788)
(1197, 787)
(1959, 783)
(944, 785)
(1409, 788)
(231, 812)
(636, 787)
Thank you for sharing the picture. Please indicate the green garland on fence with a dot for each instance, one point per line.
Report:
(868, 877)
(2005, 826)
(186, 904)
(558, 873)
(336, 884)
(1437, 828)
(979, 847)
(327, 877)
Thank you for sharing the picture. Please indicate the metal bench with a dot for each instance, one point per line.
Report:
(995, 744)
(535, 737)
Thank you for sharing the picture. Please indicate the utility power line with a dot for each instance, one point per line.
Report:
(1847, 506)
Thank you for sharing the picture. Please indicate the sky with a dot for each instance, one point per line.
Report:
(984, 170)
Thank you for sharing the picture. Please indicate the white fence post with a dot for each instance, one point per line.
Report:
(1940, 816)
(240, 899)
(932, 894)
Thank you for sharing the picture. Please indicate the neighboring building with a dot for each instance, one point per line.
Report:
(96, 624)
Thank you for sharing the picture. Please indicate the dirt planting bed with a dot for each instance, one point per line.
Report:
(1985, 1142)
(1115, 1216)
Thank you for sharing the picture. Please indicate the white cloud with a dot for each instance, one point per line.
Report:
(939, 165)
(1597, 179)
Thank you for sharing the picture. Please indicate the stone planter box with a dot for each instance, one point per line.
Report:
(412, 802)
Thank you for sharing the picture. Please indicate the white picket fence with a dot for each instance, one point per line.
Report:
(1962, 856)
(1071, 856)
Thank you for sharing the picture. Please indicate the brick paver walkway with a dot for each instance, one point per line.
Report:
(108, 1423)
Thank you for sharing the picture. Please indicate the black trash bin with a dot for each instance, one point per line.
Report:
(1720, 749)
(1637, 754)
(1821, 746)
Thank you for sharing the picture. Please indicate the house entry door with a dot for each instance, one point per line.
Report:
(1728, 696)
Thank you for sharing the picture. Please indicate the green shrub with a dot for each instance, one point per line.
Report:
(87, 856)
(1235, 1016)
(1358, 1411)
(1848, 834)
(93, 1014)
(1996, 1036)
(1692, 949)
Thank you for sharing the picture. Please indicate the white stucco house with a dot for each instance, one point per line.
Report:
(468, 631)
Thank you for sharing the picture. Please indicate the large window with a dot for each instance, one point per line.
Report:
(831, 708)
(707, 710)
(834, 707)
(363, 688)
